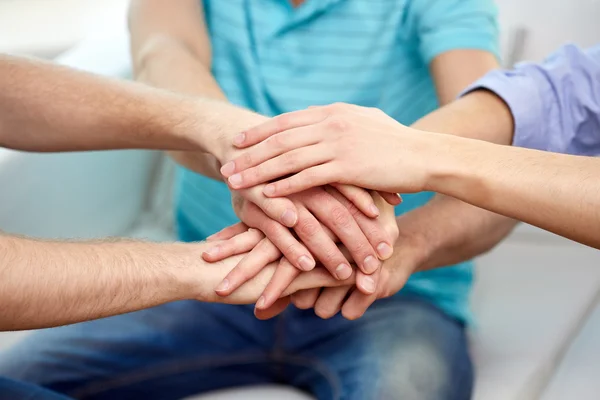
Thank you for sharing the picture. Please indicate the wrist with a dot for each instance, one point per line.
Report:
(453, 162)
(181, 271)
(228, 121)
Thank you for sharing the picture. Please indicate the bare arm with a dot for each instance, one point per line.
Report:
(44, 283)
(556, 192)
(171, 49)
(45, 107)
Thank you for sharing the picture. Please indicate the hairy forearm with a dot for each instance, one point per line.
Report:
(556, 192)
(45, 107)
(166, 63)
(48, 283)
(460, 231)
(45, 283)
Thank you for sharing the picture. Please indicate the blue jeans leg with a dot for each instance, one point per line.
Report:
(403, 348)
(14, 390)
(168, 352)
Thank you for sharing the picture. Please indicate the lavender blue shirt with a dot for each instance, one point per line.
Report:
(556, 104)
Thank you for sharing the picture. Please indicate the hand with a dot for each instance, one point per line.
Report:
(349, 224)
(279, 209)
(329, 301)
(238, 239)
(202, 284)
(338, 143)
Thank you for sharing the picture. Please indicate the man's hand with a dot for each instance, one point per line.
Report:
(359, 233)
(337, 143)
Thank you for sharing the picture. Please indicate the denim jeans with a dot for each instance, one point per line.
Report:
(15, 390)
(403, 348)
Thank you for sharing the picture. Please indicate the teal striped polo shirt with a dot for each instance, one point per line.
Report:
(272, 58)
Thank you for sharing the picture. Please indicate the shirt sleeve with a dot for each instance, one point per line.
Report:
(444, 25)
(555, 105)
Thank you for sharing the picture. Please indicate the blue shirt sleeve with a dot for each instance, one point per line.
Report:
(444, 25)
(556, 104)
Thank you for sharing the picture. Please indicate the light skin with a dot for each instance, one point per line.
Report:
(45, 284)
(178, 57)
(424, 240)
(44, 107)
(171, 49)
(528, 185)
(444, 231)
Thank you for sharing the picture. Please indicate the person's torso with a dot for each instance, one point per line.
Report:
(271, 58)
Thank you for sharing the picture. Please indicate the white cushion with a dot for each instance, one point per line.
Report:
(530, 299)
(579, 372)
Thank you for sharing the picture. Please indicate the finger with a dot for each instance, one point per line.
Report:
(321, 246)
(279, 209)
(357, 304)
(311, 177)
(372, 229)
(392, 199)
(278, 124)
(283, 277)
(239, 244)
(368, 283)
(262, 255)
(229, 232)
(360, 197)
(276, 309)
(272, 147)
(281, 237)
(305, 299)
(331, 300)
(290, 162)
(339, 219)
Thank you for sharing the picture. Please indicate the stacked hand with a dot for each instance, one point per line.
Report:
(333, 223)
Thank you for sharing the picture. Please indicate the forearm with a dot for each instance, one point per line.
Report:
(459, 231)
(45, 284)
(45, 107)
(166, 62)
(556, 192)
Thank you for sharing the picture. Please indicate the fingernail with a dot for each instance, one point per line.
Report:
(269, 190)
(385, 250)
(368, 284)
(213, 251)
(223, 286)
(343, 271)
(306, 263)
(239, 138)
(228, 168)
(374, 210)
(289, 218)
(235, 180)
(371, 264)
(261, 302)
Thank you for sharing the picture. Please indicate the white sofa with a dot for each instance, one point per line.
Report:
(536, 297)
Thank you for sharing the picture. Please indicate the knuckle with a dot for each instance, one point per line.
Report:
(340, 216)
(290, 158)
(246, 159)
(337, 124)
(283, 121)
(308, 228)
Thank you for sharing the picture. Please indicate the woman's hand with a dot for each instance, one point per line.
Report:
(340, 143)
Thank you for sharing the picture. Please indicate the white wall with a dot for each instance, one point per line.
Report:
(549, 24)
